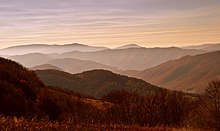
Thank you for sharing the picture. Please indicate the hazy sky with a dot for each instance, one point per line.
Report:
(109, 22)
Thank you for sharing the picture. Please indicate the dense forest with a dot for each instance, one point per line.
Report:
(27, 103)
(96, 82)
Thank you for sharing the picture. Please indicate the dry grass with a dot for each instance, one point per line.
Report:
(12, 124)
(101, 105)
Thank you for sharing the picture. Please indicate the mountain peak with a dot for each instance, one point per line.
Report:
(129, 46)
(75, 44)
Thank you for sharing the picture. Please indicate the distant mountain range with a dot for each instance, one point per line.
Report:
(96, 82)
(37, 61)
(172, 67)
(74, 66)
(122, 59)
(132, 58)
(32, 59)
(189, 73)
(49, 49)
(46, 67)
(46, 49)
(206, 47)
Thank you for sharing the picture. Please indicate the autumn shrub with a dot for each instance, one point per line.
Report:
(210, 105)
(165, 108)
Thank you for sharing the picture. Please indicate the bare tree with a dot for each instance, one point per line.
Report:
(212, 102)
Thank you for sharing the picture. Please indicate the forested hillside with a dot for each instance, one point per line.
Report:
(96, 82)
(23, 94)
(27, 104)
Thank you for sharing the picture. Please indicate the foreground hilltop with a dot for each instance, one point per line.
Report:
(96, 82)
(23, 94)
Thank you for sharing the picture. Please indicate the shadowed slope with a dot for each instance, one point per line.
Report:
(23, 94)
(96, 82)
(190, 73)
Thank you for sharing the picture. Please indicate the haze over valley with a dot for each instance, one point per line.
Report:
(187, 69)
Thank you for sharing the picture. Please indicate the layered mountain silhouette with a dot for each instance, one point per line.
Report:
(160, 66)
(73, 66)
(207, 47)
(96, 82)
(132, 58)
(45, 67)
(128, 57)
(43, 61)
(32, 59)
(189, 73)
(46, 49)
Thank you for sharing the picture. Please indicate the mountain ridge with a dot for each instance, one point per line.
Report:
(45, 48)
(123, 59)
(128, 46)
(133, 58)
(207, 47)
(96, 83)
(189, 73)
(45, 67)
(74, 66)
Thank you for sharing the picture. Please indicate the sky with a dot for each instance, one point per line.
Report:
(110, 23)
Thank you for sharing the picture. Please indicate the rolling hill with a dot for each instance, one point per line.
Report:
(45, 67)
(128, 57)
(45, 61)
(31, 60)
(77, 66)
(132, 58)
(189, 73)
(207, 47)
(18, 88)
(47, 49)
(96, 82)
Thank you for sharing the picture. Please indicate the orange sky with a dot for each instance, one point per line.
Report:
(112, 23)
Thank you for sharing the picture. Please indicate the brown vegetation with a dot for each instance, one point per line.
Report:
(211, 103)
(96, 82)
(26, 103)
(13, 123)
